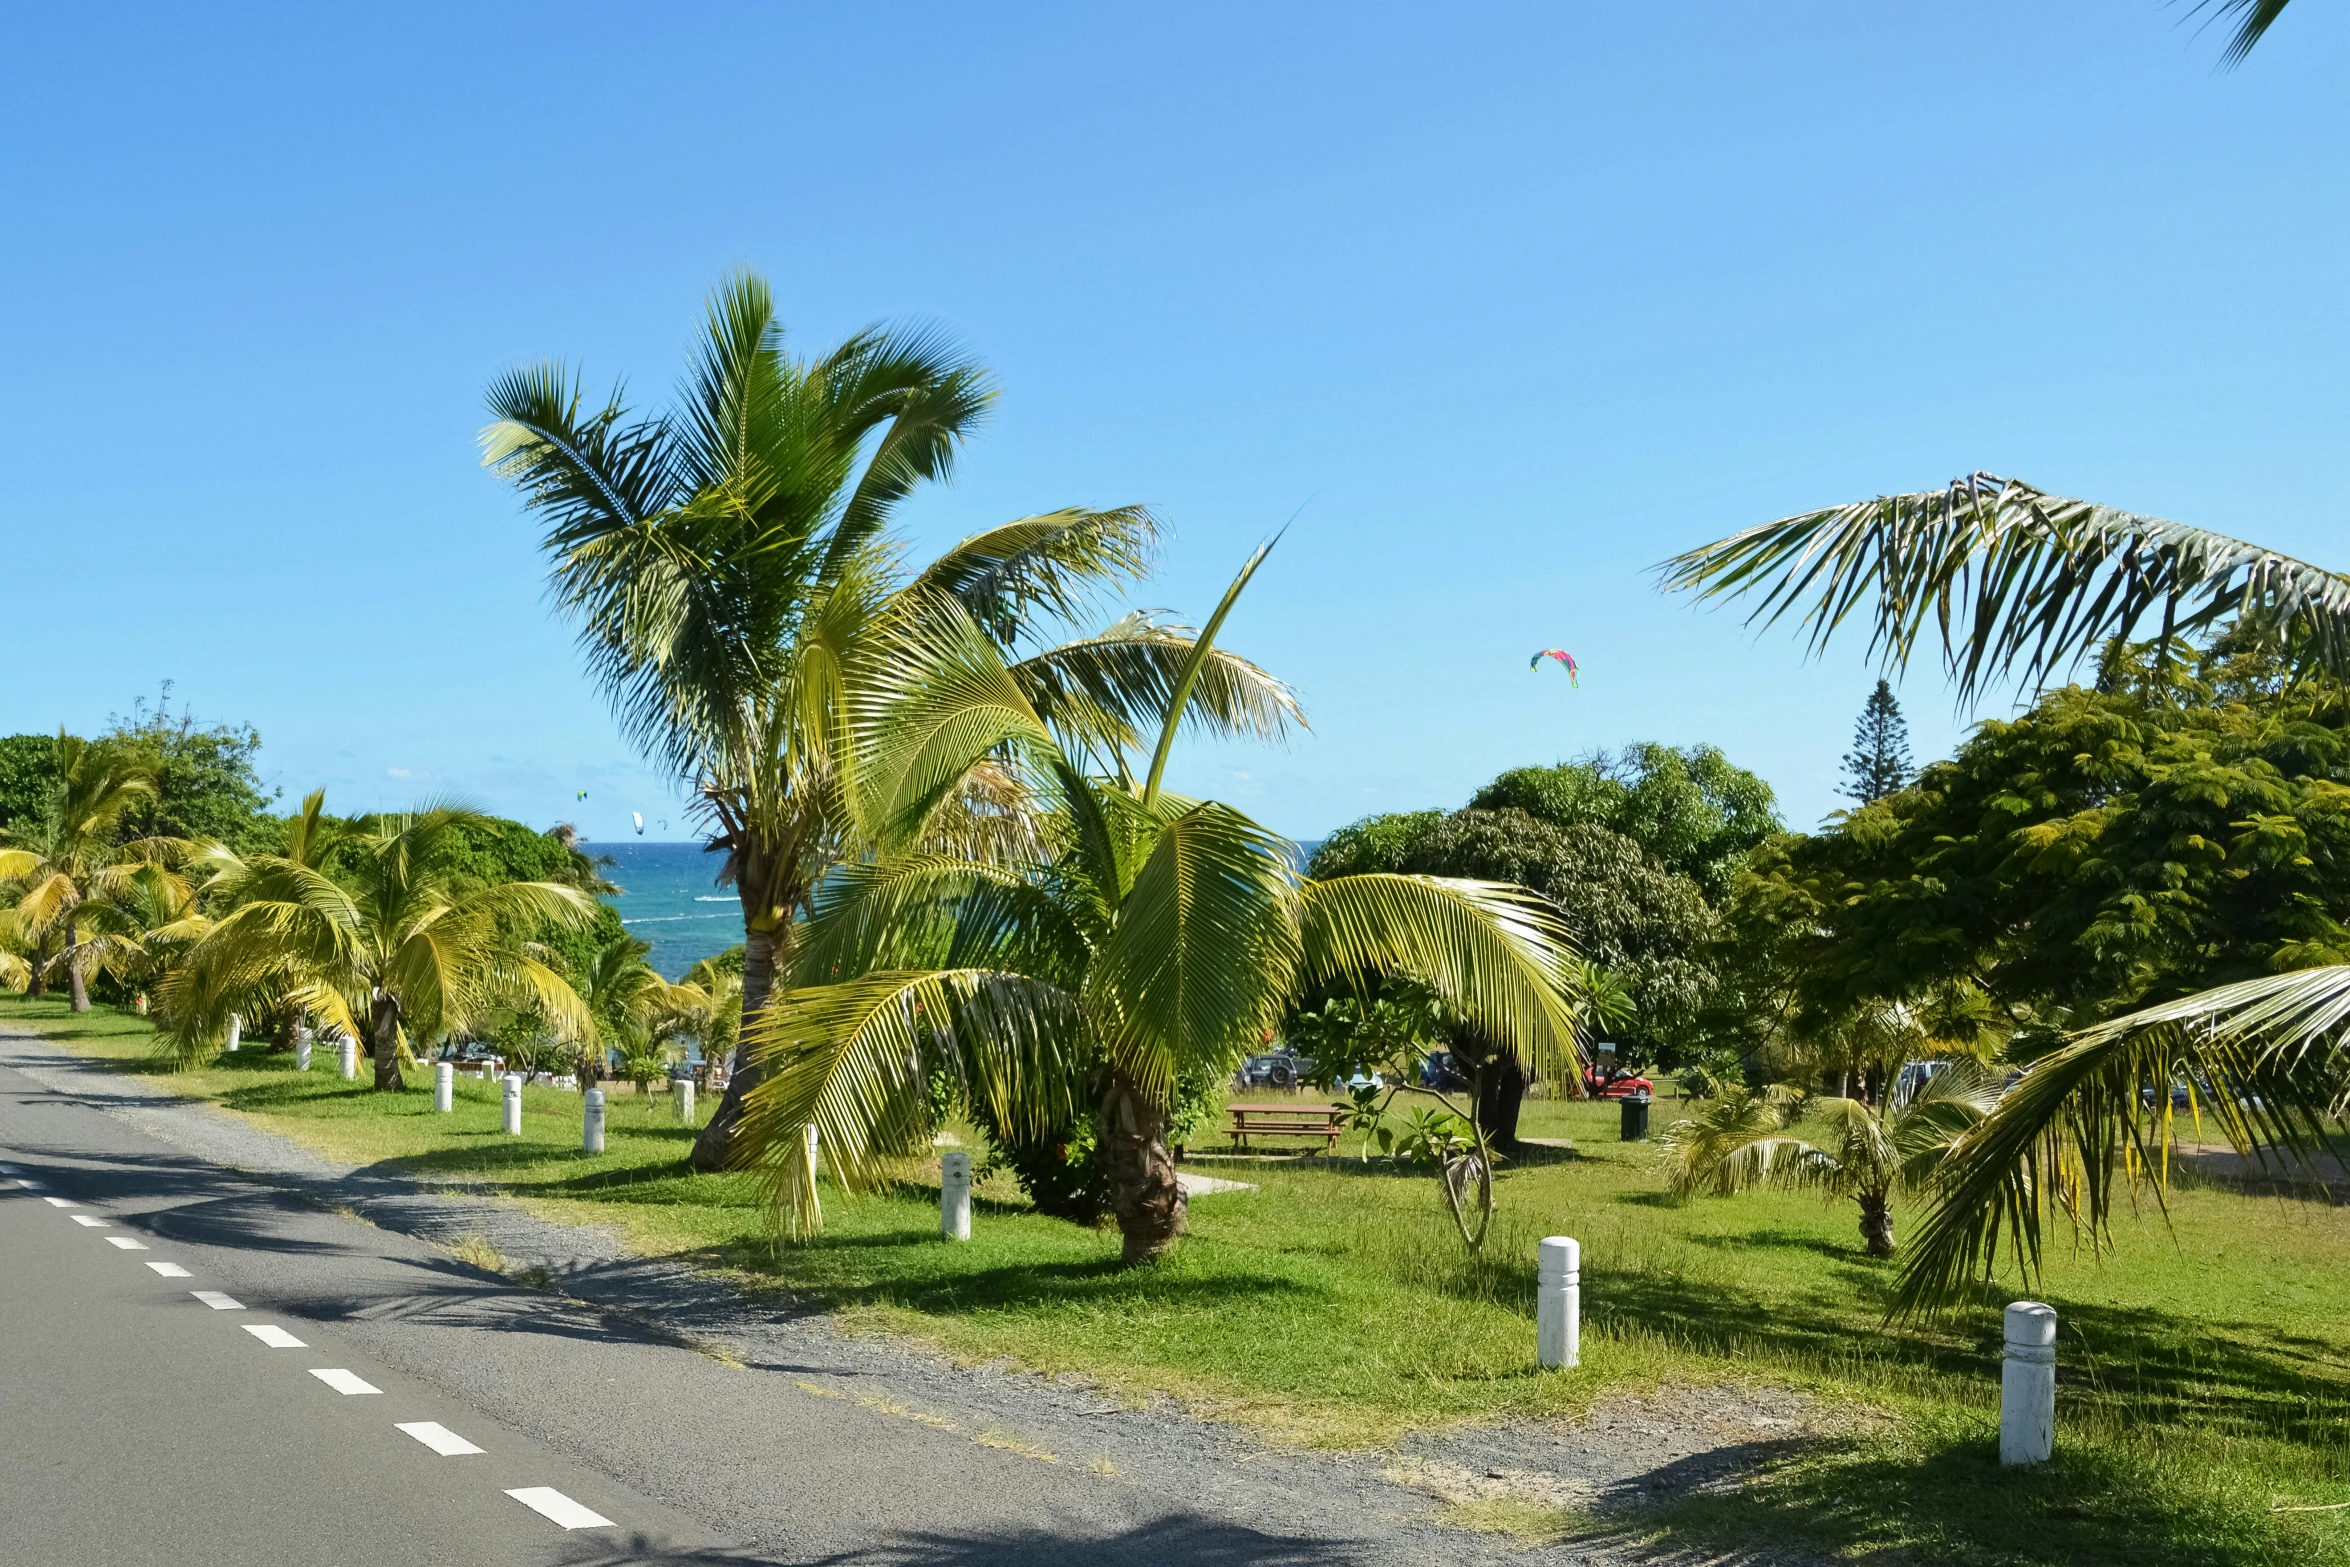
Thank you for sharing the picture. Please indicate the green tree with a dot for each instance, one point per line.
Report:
(76, 852)
(28, 778)
(725, 563)
(2007, 581)
(1690, 810)
(1152, 935)
(1878, 763)
(206, 785)
(1847, 1149)
(400, 947)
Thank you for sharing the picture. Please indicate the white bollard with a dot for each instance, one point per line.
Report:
(301, 1050)
(811, 1151)
(681, 1099)
(1558, 1304)
(236, 1031)
(513, 1082)
(350, 1058)
(444, 1085)
(591, 1123)
(954, 1196)
(2027, 1385)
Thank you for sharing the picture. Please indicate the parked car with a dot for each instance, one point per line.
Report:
(1438, 1070)
(1275, 1069)
(1616, 1083)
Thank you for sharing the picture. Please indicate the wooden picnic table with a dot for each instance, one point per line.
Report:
(1292, 1120)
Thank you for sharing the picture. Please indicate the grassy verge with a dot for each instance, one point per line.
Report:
(2204, 1380)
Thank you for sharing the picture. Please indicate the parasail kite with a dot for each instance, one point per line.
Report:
(579, 796)
(1566, 662)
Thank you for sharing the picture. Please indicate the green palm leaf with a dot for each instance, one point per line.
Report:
(2007, 579)
(1495, 953)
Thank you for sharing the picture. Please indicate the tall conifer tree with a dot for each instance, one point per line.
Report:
(1879, 761)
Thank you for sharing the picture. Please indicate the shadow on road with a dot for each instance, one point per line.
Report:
(1195, 1542)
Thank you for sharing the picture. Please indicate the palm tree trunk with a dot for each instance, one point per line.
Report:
(765, 952)
(39, 988)
(1141, 1172)
(383, 1027)
(1876, 1223)
(73, 965)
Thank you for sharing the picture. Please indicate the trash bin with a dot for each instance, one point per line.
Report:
(1635, 1113)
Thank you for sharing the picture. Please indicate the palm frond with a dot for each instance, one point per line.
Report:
(2008, 580)
(1202, 646)
(853, 1060)
(1054, 564)
(2253, 19)
(2261, 1062)
(1205, 950)
(1105, 690)
(1495, 953)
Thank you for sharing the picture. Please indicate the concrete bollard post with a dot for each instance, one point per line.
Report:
(1558, 1304)
(444, 1086)
(513, 1096)
(954, 1196)
(2027, 1385)
(301, 1050)
(236, 1031)
(591, 1123)
(811, 1151)
(681, 1099)
(350, 1058)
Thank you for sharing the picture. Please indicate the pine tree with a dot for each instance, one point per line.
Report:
(1879, 763)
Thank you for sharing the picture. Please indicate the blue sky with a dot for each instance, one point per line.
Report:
(1514, 301)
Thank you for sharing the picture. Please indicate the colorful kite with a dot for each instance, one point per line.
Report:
(580, 796)
(1566, 661)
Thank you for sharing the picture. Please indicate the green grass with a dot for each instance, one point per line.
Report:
(2203, 1380)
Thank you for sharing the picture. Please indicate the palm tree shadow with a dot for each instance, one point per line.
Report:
(1184, 1538)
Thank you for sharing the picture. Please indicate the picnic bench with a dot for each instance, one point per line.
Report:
(1293, 1120)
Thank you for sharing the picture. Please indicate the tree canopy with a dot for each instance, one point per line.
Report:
(1690, 809)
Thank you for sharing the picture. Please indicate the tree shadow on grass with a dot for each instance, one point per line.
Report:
(1850, 1500)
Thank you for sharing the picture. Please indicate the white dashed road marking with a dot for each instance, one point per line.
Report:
(88, 1223)
(32, 1186)
(170, 1270)
(438, 1437)
(551, 1503)
(126, 1243)
(344, 1382)
(59, 1202)
(274, 1336)
(7, 1169)
(216, 1300)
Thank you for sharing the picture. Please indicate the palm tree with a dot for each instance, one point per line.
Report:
(76, 853)
(1148, 934)
(1743, 1139)
(724, 562)
(398, 948)
(2253, 20)
(2008, 580)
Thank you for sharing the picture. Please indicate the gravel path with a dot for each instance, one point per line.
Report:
(1376, 1507)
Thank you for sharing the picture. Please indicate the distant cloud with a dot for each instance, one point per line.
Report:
(398, 772)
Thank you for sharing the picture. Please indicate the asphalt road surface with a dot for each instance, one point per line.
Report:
(199, 1368)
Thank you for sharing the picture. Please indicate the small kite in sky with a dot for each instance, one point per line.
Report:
(1566, 662)
(580, 796)
(640, 822)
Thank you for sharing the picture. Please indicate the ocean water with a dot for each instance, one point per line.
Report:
(670, 899)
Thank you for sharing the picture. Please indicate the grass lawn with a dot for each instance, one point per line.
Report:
(2203, 1376)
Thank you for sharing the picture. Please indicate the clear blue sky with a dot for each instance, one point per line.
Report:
(1516, 301)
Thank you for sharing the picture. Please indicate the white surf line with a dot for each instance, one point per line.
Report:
(217, 1301)
(88, 1222)
(126, 1243)
(170, 1270)
(343, 1381)
(59, 1202)
(548, 1502)
(274, 1336)
(438, 1437)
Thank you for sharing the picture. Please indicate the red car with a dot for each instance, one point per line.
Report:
(1618, 1085)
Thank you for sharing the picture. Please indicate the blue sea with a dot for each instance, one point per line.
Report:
(669, 898)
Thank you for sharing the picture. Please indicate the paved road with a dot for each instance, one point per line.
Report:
(141, 1423)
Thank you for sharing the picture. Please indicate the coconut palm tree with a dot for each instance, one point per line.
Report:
(1844, 1147)
(399, 947)
(725, 560)
(76, 853)
(1149, 934)
(2004, 580)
